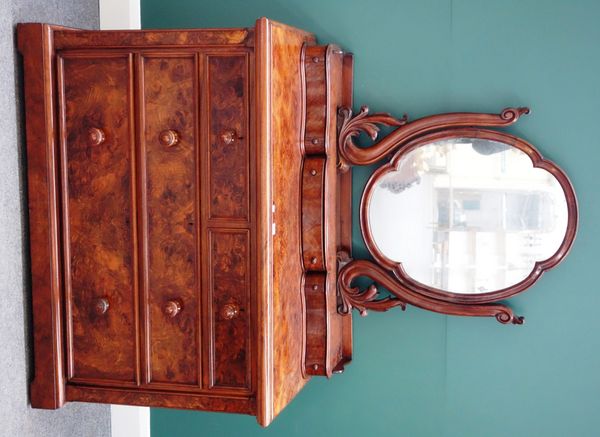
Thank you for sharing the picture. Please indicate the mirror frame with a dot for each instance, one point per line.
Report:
(539, 267)
(389, 274)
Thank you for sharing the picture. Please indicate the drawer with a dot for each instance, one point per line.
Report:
(96, 137)
(229, 308)
(171, 292)
(228, 155)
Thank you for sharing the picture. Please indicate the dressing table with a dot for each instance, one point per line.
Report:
(190, 215)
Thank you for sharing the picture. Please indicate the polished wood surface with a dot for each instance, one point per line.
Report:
(223, 402)
(191, 217)
(280, 50)
(95, 91)
(229, 169)
(353, 124)
(175, 255)
(49, 375)
(70, 39)
(538, 162)
(170, 217)
(328, 335)
(385, 272)
(228, 221)
(229, 300)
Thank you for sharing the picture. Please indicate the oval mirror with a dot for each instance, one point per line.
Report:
(469, 213)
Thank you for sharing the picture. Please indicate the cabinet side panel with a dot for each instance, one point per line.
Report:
(287, 101)
(96, 101)
(171, 285)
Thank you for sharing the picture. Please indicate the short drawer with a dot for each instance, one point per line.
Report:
(229, 308)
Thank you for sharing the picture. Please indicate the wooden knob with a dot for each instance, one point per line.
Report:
(168, 138)
(230, 311)
(172, 308)
(96, 136)
(229, 136)
(101, 306)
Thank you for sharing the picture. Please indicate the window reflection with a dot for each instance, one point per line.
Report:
(468, 215)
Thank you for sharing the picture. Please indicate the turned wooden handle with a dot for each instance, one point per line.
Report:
(169, 138)
(230, 311)
(101, 305)
(172, 308)
(96, 136)
(229, 136)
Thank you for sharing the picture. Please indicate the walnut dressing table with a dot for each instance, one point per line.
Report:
(190, 215)
(182, 197)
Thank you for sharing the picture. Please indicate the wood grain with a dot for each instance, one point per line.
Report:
(171, 218)
(228, 137)
(99, 237)
(328, 335)
(182, 219)
(344, 206)
(278, 60)
(165, 38)
(224, 403)
(230, 288)
(473, 132)
(48, 385)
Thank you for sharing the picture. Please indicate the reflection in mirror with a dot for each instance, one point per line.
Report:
(467, 215)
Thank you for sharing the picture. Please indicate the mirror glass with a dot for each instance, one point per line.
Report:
(467, 215)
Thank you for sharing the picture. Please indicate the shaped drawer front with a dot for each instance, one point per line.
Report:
(95, 93)
(171, 296)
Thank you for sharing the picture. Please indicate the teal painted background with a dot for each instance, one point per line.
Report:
(423, 374)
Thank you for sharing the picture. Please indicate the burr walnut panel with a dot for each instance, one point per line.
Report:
(166, 215)
(229, 301)
(227, 83)
(96, 147)
(171, 294)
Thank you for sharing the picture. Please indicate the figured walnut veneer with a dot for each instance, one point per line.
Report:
(185, 215)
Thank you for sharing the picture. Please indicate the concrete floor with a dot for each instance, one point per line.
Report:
(17, 418)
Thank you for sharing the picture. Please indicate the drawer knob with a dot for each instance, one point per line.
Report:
(96, 136)
(230, 311)
(172, 308)
(101, 306)
(229, 136)
(168, 138)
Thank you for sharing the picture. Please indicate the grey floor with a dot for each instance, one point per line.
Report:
(17, 418)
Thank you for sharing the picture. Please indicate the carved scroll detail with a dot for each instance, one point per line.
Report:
(353, 297)
(362, 122)
(352, 126)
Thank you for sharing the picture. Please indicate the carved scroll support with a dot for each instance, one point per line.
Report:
(369, 299)
(353, 125)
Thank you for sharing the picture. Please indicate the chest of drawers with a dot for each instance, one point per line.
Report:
(183, 201)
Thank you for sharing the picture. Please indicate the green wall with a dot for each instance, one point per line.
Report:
(423, 374)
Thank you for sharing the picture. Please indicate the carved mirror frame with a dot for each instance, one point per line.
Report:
(390, 274)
